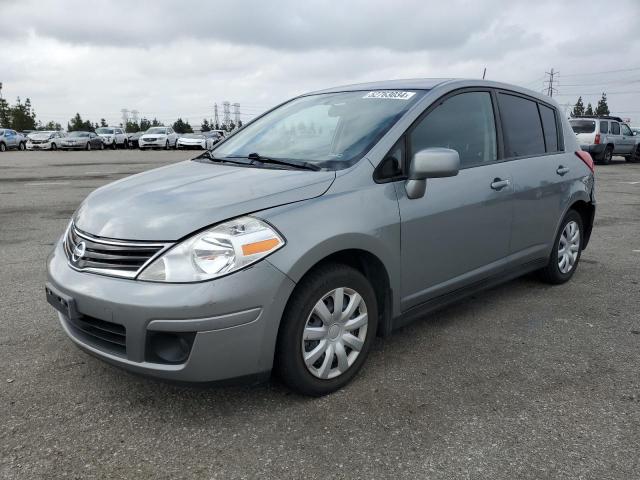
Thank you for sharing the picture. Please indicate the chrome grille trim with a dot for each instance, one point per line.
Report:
(105, 256)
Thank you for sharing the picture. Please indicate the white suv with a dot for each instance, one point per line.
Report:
(606, 136)
(113, 137)
(158, 137)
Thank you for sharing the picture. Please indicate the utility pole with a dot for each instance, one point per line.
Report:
(236, 113)
(216, 118)
(550, 87)
(226, 112)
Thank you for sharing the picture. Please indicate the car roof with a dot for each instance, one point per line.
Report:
(431, 83)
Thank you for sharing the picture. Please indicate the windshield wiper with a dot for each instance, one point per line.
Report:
(210, 156)
(256, 157)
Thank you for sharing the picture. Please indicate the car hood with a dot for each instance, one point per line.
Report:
(41, 136)
(153, 135)
(171, 202)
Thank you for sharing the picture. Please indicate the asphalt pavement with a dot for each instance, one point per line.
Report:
(523, 381)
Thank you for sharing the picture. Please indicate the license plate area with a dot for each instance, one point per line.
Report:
(61, 302)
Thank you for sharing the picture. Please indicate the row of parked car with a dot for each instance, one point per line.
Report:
(107, 137)
(605, 136)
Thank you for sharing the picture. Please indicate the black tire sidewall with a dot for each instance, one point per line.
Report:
(289, 362)
(553, 267)
(607, 155)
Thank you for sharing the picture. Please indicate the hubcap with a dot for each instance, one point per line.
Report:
(568, 247)
(334, 333)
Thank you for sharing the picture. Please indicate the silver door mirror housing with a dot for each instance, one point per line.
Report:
(430, 163)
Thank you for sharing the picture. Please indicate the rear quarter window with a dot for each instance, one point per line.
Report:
(521, 126)
(550, 127)
(615, 128)
(604, 127)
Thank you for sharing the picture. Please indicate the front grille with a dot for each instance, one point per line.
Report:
(39, 141)
(117, 258)
(99, 333)
(149, 139)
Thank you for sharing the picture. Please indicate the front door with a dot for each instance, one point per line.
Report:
(458, 232)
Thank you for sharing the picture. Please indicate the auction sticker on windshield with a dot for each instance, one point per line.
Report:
(390, 94)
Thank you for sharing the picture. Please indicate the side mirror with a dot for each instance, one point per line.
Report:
(430, 163)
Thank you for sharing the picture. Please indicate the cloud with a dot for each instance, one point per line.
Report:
(167, 59)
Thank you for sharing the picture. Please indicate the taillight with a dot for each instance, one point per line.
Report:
(597, 140)
(586, 158)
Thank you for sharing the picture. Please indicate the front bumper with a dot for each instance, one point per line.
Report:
(160, 143)
(73, 145)
(38, 146)
(235, 319)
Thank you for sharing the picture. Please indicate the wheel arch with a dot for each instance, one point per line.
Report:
(587, 212)
(374, 270)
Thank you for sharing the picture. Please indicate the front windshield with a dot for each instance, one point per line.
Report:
(157, 130)
(78, 134)
(105, 131)
(330, 130)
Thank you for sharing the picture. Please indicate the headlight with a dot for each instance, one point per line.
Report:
(220, 250)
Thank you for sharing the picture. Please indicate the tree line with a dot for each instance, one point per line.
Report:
(602, 108)
(21, 116)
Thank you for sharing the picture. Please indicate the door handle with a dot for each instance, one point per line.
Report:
(499, 184)
(562, 170)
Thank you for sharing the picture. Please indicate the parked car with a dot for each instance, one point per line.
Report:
(44, 140)
(205, 140)
(11, 139)
(337, 216)
(606, 136)
(113, 137)
(132, 139)
(82, 141)
(158, 137)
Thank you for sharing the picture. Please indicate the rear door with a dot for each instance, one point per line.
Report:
(615, 137)
(458, 232)
(541, 170)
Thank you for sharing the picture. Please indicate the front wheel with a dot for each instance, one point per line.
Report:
(22, 147)
(3, 147)
(88, 147)
(635, 156)
(567, 248)
(54, 146)
(327, 330)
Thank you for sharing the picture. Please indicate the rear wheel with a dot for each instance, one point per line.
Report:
(3, 147)
(635, 156)
(54, 146)
(88, 147)
(566, 250)
(607, 155)
(327, 330)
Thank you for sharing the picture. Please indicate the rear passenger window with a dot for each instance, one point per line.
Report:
(550, 128)
(463, 123)
(521, 125)
(604, 127)
(615, 128)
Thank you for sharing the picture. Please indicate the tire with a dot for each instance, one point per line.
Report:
(166, 146)
(125, 145)
(3, 147)
(554, 273)
(607, 155)
(102, 146)
(635, 156)
(88, 147)
(326, 375)
(22, 147)
(54, 146)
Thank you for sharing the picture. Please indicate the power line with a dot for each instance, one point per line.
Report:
(601, 72)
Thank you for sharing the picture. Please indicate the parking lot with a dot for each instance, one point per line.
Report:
(523, 381)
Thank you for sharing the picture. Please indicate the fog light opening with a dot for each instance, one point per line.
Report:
(173, 348)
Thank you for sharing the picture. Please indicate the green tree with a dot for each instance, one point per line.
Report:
(5, 114)
(77, 124)
(232, 126)
(145, 124)
(51, 125)
(205, 126)
(22, 116)
(103, 123)
(180, 126)
(240, 123)
(156, 123)
(578, 108)
(602, 108)
(589, 110)
(132, 127)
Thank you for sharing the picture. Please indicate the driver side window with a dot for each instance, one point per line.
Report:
(464, 123)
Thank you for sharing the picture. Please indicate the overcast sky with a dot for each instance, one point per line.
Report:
(176, 58)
